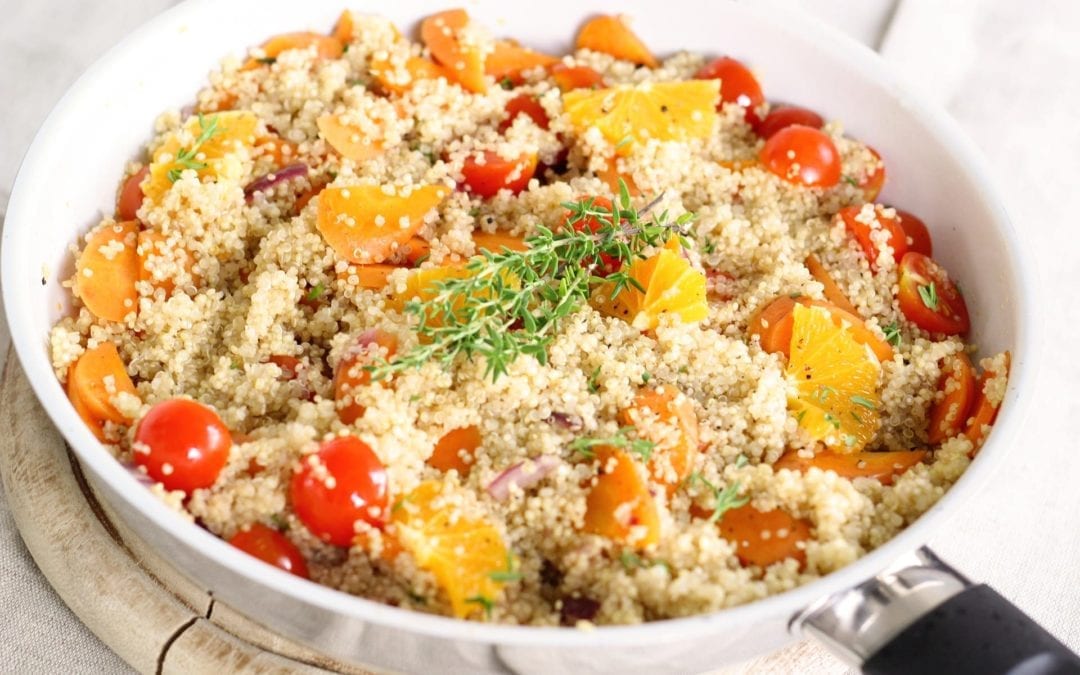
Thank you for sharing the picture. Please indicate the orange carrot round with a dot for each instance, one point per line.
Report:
(107, 269)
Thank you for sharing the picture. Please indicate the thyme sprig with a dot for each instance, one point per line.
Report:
(724, 499)
(185, 157)
(622, 440)
(510, 303)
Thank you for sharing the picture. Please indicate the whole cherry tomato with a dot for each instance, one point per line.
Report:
(272, 547)
(802, 155)
(182, 444)
(918, 235)
(737, 85)
(929, 299)
(872, 183)
(340, 484)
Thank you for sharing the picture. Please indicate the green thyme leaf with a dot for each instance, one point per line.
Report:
(317, 291)
(928, 295)
(864, 402)
(484, 601)
(892, 334)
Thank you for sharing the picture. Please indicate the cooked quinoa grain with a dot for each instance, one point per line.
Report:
(663, 454)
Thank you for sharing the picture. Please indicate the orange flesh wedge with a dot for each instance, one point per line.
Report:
(347, 140)
(676, 437)
(235, 131)
(446, 36)
(619, 505)
(497, 242)
(94, 378)
(460, 551)
(773, 325)
(456, 450)
(746, 528)
(609, 35)
(107, 269)
(884, 466)
(672, 286)
(835, 379)
(627, 114)
(363, 224)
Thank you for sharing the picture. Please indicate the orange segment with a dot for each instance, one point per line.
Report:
(666, 111)
(611, 176)
(619, 505)
(226, 134)
(765, 537)
(326, 46)
(835, 379)
(94, 378)
(497, 242)
(398, 79)
(456, 450)
(461, 552)
(454, 44)
(365, 223)
(671, 286)
(773, 325)
(423, 284)
(675, 432)
(832, 292)
(610, 35)
(349, 141)
(884, 466)
(107, 269)
(509, 59)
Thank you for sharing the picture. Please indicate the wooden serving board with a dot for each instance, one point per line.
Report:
(151, 615)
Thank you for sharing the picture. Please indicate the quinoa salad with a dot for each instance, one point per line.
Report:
(458, 326)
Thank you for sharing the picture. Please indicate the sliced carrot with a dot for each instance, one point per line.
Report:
(509, 59)
(948, 416)
(773, 324)
(985, 408)
(152, 243)
(446, 36)
(413, 252)
(364, 224)
(307, 195)
(884, 466)
(326, 46)
(456, 450)
(398, 80)
(98, 375)
(674, 452)
(351, 374)
(96, 426)
(832, 292)
(568, 78)
(497, 241)
(349, 141)
(277, 148)
(374, 276)
(610, 175)
(107, 269)
(765, 537)
(619, 505)
(131, 195)
(608, 34)
(345, 27)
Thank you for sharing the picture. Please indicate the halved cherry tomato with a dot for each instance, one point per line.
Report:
(568, 78)
(272, 547)
(525, 104)
(737, 85)
(802, 155)
(872, 183)
(918, 235)
(948, 416)
(985, 408)
(182, 444)
(486, 177)
(782, 116)
(342, 483)
(131, 195)
(456, 450)
(863, 232)
(929, 299)
(608, 264)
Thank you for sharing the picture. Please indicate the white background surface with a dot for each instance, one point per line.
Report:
(1008, 70)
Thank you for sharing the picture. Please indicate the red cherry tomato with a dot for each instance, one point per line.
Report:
(918, 235)
(737, 85)
(568, 78)
(782, 116)
(895, 235)
(929, 299)
(182, 444)
(270, 546)
(608, 264)
(131, 195)
(346, 483)
(524, 105)
(872, 183)
(802, 155)
(493, 173)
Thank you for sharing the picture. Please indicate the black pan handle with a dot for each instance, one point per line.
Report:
(921, 616)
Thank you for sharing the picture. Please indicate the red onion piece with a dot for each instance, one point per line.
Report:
(523, 474)
(566, 421)
(264, 183)
(577, 609)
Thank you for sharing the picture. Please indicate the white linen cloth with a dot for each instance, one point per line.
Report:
(1008, 71)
